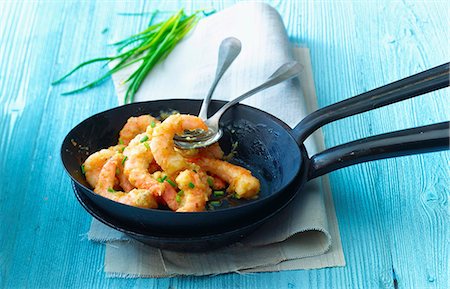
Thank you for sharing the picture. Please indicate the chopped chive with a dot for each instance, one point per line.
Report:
(215, 203)
(145, 138)
(178, 199)
(111, 190)
(124, 159)
(147, 145)
(210, 182)
(83, 171)
(152, 124)
(159, 180)
(120, 141)
(180, 193)
(219, 193)
(164, 178)
(191, 185)
(171, 183)
(122, 149)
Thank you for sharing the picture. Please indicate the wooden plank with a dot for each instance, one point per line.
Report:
(393, 214)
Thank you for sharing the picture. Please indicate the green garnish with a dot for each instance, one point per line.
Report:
(120, 141)
(147, 145)
(147, 48)
(124, 160)
(236, 196)
(145, 138)
(191, 185)
(159, 180)
(111, 190)
(215, 203)
(180, 193)
(171, 183)
(210, 182)
(164, 178)
(219, 193)
(83, 171)
(152, 124)
(117, 171)
(121, 150)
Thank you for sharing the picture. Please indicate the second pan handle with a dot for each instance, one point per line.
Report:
(427, 81)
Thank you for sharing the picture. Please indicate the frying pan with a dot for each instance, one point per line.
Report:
(267, 146)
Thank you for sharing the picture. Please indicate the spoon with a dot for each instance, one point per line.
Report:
(200, 138)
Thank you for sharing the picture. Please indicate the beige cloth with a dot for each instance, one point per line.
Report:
(305, 235)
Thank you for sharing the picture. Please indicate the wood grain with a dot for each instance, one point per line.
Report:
(393, 214)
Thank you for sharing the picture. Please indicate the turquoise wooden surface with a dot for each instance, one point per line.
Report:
(393, 214)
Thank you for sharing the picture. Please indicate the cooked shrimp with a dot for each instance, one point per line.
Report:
(135, 126)
(137, 158)
(136, 197)
(94, 163)
(213, 151)
(241, 180)
(162, 144)
(194, 191)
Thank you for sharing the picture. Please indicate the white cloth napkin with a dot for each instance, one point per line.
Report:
(305, 235)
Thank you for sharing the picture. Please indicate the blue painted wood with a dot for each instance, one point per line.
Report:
(393, 214)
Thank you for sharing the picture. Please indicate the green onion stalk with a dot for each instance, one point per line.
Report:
(148, 48)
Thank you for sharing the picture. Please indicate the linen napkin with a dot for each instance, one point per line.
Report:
(303, 236)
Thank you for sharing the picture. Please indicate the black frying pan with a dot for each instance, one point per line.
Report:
(267, 146)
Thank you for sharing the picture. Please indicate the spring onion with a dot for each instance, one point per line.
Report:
(218, 193)
(171, 183)
(147, 48)
(83, 170)
(124, 160)
(191, 185)
(145, 138)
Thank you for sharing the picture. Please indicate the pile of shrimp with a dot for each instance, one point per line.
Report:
(145, 169)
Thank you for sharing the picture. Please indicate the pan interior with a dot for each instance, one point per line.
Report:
(261, 142)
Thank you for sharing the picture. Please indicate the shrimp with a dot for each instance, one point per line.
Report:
(137, 159)
(135, 126)
(213, 151)
(241, 180)
(94, 163)
(162, 144)
(137, 197)
(194, 191)
(191, 180)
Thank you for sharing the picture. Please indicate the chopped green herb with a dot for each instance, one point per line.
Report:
(178, 199)
(164, 178)
(215, 203)
(124, 160)
(147, 145)
(191, 185)
(122, 149)
(180, 193)
(145, 138)
(111, 190)
(117, 171)
(171, 183)
(159, 180)
(152, 124)
(210, 182)
(236, 196)
(83, 171)
(120, 141)
(219, 193)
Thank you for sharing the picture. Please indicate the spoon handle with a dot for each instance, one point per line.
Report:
(284, 72)
(228, 51)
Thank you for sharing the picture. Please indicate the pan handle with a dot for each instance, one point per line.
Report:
(415, 85)
(422, 139)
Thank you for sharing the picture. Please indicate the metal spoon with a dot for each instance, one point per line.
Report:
(205, 138)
